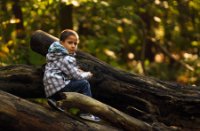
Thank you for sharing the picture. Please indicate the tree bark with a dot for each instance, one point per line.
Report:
(106, 112)
(19, 114)
(22, 80)
(150, 100)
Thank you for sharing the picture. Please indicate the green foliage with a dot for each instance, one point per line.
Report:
(126, 34)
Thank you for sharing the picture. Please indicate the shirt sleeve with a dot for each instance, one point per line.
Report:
(70, 68)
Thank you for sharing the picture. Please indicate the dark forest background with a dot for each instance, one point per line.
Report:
(154, 38)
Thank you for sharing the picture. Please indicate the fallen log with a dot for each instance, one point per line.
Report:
(143, 97)
(117, 118)
(22, 80)
(26, 81)
(19, 114)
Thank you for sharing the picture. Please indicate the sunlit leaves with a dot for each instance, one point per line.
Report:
(159, 32)
(120, 29)
(110, 53)
(77, 3)
(157, 19)
(117, 32)
(194, 4)
(195, 43)
(132, 39)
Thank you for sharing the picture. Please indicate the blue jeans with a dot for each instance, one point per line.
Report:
(80, 86)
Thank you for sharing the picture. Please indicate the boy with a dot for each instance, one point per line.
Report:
(62, 73)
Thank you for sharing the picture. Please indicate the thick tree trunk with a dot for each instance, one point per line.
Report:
(144, 98)
(19, 16)
(66, 16)
(17, 114)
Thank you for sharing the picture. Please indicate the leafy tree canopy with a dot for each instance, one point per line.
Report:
(151, 37)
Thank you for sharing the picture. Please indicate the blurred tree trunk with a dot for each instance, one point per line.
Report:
(147, 29)
(19, 19)
(147, 52)
(5, 35)
(66, 16)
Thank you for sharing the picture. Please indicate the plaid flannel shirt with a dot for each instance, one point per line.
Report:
(60, 69)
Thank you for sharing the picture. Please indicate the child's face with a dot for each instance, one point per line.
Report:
(71, 43)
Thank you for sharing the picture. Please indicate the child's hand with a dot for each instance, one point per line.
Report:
(90, 74)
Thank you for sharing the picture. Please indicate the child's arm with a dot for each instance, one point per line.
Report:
(70, 68)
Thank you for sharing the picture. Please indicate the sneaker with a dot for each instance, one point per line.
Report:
(53, 104)
(90, 117)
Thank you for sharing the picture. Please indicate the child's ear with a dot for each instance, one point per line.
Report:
(61, 42)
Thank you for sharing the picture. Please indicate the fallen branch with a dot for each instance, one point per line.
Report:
(106, 112)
